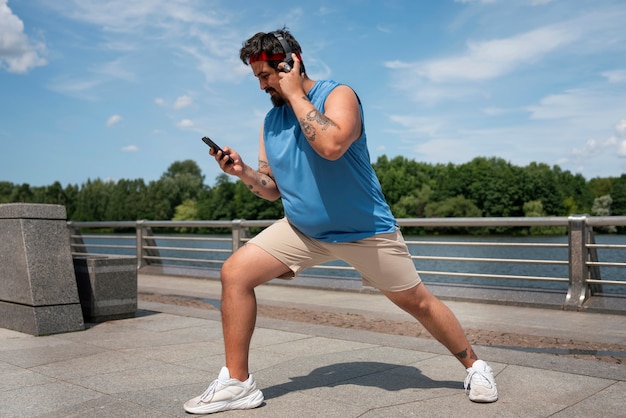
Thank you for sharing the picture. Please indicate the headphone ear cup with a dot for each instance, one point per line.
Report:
(287, 50)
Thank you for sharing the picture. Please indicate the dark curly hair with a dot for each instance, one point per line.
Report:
(268, 43)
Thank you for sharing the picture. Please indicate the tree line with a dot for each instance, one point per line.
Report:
(487, 187)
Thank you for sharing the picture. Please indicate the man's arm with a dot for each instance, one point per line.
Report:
(261, 182)
(332, 131)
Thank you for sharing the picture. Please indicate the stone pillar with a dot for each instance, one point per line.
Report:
(38, 293)
(107, 286)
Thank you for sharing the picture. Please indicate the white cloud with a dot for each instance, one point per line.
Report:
(75, 88)
(113, 120)
(130, 148)
(582, 104)
(159, 101)
(216, 68)
(475, 1)
(185, 123)
(615, 76)
(122, 16)
(115, 69)
(182, 102)
(465, 75)
(497, 111)
(18, 54)
(486, 60)
(620, 131)
(620, 128)
(594, 146)
(418, 126)
(614, 144)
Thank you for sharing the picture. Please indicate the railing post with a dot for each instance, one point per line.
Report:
(594, 271)
(578, 290)
(237, 234)
(77, 245)
(139, 234)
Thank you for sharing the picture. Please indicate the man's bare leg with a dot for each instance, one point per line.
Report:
(437, 318)
(247, 268)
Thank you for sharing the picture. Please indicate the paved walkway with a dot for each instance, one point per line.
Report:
(150, 365)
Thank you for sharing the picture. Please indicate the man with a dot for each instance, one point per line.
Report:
(313, 155)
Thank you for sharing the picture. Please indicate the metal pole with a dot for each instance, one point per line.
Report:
(578, 270)
(237, 234)
(139, 234)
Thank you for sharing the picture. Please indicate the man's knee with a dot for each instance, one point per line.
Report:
(228, 271)
(417, 301)
(249, 267)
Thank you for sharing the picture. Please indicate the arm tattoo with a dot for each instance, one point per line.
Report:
(263, 164)
(308, 126)
(261, 180)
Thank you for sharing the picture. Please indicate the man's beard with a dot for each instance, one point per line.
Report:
(277, 99)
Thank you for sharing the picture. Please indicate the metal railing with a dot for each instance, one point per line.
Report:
(581, 280)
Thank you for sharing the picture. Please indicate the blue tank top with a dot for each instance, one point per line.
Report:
(331, 201)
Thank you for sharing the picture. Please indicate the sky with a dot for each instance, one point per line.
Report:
(120, 89)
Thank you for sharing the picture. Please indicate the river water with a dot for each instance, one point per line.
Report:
(429, 264)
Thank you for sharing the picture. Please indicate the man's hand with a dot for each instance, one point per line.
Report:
(291, 83)
(235, 168)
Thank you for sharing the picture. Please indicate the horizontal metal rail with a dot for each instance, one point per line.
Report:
(490, 260)
(495, 276)
(582, 265)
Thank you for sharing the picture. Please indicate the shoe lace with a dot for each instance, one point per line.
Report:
(480, 377)
(210, 390)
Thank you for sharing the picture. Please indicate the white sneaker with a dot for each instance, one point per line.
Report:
(225, 394)
(481, 383)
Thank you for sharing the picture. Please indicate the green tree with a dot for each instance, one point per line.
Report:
(413, 204)
(600, 186)
(92, 200)
(22, 194)
(618, 194)
(492, 184)
(602, 207)
(184, 181)
(186, 211)
(395, 177)
(71, 195)
(126, 201)
(453, 207)
(55, 194)
(159, 199)
(541, 183)
(534, 208)
(6, 191)
(219, 202)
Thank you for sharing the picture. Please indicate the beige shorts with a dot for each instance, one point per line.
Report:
(383, 260)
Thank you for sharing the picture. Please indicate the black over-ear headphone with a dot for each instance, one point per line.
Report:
(287, 50)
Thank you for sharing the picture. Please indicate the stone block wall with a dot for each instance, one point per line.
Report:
(38, 292)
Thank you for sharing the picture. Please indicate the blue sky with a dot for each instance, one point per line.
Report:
(121, 89)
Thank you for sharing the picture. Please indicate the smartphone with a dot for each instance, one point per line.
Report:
(216, 148)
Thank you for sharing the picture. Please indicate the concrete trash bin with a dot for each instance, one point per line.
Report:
(107, 286)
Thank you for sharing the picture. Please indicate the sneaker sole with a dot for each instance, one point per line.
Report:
(251, 401)
(483, 399)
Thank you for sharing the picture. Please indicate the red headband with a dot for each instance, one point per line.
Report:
(264, 56)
